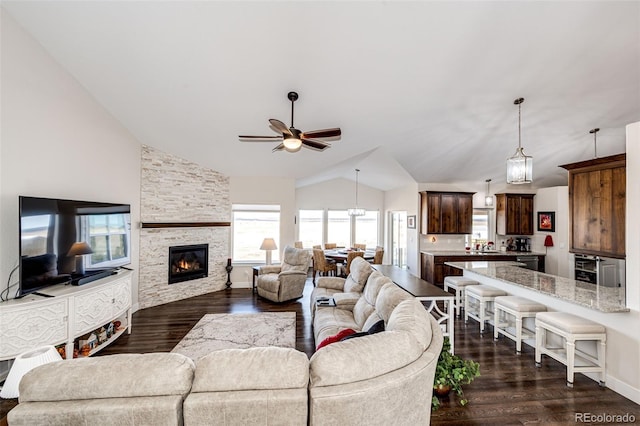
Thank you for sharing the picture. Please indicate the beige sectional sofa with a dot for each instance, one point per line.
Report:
(378, 379)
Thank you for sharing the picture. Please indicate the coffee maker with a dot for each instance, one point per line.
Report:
(522, 244)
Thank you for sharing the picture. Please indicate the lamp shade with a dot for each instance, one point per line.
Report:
(24, 363)
(268, 244)
(548, 241)
(79, 248)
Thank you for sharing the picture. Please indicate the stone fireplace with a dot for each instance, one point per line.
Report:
(188, 262)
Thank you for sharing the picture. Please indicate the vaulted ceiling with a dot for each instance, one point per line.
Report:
(423, 91)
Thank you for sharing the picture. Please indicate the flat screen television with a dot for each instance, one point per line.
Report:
(50, 227)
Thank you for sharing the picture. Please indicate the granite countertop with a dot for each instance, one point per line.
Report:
(599, 298)
(479, 253)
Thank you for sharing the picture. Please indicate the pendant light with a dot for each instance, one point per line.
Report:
(595, 146)
(520, 166)
(356, 211)
(488, 198)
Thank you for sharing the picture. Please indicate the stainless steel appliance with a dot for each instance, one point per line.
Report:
(530, 262)
(603, 271)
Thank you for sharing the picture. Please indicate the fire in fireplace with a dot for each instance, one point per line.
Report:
(188, 262)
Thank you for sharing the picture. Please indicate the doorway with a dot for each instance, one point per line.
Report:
(398, 238)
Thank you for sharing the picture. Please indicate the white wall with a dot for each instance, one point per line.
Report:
(264, 190)
(57, 141)
(405, 199)
(558, 260)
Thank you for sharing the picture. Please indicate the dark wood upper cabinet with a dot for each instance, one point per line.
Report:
(514, 214)
(446, 212)
(597, 203)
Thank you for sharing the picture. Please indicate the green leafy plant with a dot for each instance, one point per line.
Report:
(451, 373)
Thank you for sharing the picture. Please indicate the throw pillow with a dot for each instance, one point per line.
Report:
(335, 338)
(375, 328)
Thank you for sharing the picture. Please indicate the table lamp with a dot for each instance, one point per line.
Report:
(548, 242)
(268, 244)
(78, 250)
(24, 363)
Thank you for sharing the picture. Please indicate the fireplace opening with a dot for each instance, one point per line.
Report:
(188, 262)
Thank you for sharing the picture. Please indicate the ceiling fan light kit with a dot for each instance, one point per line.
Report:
(293, 139)
(520, 166)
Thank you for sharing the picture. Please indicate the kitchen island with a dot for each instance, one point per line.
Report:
(434, 267)
(599, 298)
(604, 305)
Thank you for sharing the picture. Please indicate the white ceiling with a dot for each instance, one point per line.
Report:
(422, 90)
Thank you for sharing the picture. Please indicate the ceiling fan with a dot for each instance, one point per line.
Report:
(292, 138)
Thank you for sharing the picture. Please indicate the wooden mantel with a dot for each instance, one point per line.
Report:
(183, 224)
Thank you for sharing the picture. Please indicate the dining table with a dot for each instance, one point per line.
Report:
(340, 255)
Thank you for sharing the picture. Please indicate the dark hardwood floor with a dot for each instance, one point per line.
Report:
(510, 391)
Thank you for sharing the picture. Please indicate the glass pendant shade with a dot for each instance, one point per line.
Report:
(520, 168)
(488, 198)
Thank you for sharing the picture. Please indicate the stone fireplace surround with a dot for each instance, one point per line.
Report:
(177, 190)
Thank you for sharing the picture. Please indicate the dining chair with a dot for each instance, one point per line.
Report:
(360, 246)
(328, 246)
(378, 255)
(317, 247)
(322, 264)
(298, 244)
(350, 256)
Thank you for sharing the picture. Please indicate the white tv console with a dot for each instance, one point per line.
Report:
(33, 320)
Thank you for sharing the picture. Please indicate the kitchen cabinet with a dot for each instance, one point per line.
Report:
(446, 212)
(514, 214)
(597, 203)
(434, 270)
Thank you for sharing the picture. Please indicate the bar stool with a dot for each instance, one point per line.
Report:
(572, 329)
(458, 284)
(478, 303)
(508, 308)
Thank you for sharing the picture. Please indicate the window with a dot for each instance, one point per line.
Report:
(339, 227)
(107, 237)
(480, 227)
(311, 227)
(367, 229)
(251, 225)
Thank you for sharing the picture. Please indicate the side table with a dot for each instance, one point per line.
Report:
(256, 271)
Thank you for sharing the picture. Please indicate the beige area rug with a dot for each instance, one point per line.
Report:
(238, 331)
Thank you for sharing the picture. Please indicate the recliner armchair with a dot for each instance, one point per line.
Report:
(283, 282)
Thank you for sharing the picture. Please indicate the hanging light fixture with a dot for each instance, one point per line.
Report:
(520, 166)
(595, 146)
(356, 211)
(488, 198)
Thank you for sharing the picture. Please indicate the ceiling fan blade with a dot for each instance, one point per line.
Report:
(278, 148)
(280, 126)
(315, 144)
(324, 133)
(247, 138)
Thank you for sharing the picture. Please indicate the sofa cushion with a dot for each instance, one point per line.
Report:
(342, 362)
(360, 270)
(112, 376)
(329, 321)
(373, 318)
(389, 297)
(342, 334)
(251, 369)
(375, 328)
(365, 306)
(410, 315)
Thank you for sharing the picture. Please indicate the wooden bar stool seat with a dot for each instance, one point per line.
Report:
(478, 303)
(458, 284)
(510, 314)
(572, 329)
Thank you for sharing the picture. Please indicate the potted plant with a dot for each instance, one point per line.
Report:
(451, 373)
